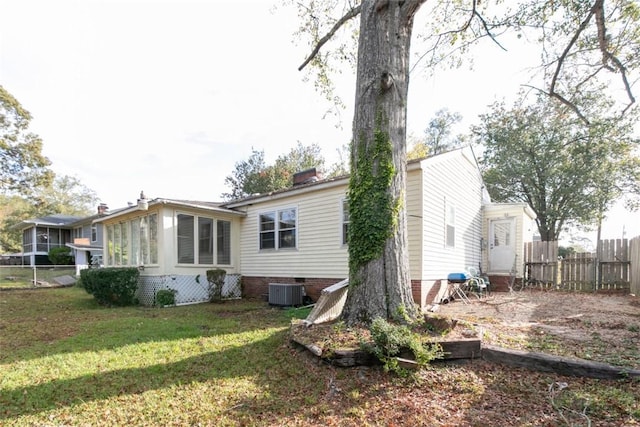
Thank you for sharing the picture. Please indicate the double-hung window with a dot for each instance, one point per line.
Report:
(450, 225)
(345, 221)
(278, 229)
(203, 240)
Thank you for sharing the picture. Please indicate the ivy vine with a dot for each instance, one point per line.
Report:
(372, 210)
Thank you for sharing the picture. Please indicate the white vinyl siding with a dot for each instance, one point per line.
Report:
(452, 177)
(319, 253)
(415, 220)
(320, 249)
(449, 224)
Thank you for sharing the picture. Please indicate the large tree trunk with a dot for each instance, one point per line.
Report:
(379, 278)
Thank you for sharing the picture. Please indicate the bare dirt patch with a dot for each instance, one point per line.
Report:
(604, 328)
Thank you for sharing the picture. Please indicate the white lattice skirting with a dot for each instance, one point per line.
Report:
(189, 289)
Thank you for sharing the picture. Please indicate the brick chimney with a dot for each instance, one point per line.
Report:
(103, 209)
(306, 176)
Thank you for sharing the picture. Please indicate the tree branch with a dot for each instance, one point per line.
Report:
(607, 56)
(565, 101)
(349, 15)
(567, 49)
(473, 14)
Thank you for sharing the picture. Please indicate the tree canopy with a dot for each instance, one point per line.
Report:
(24, 167)
(544, 155)
(438, 136)
(254, 176)
(65, 195)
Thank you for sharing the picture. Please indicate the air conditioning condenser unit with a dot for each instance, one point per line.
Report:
(283, 294)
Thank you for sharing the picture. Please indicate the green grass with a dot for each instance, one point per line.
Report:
(65, 360)
(22, 277)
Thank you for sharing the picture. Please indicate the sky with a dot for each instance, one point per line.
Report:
(167, 96)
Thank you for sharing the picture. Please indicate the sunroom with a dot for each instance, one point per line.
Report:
(174, 243)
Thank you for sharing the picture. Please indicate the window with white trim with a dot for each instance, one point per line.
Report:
(450, 225)
(94, 233)
(199, 238)
(223, 249)
(133, 243)
(278, 229)
(345, 221)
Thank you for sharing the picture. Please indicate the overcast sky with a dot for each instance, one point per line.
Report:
(166, 96)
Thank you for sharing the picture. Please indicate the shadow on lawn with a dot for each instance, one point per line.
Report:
(81, 325)
(245, 360)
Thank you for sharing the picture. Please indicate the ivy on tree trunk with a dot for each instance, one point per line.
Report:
(380, 284)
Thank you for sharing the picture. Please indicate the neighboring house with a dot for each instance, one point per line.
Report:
(88, 237)
(298, 235)
(40, 235)
(81, 234)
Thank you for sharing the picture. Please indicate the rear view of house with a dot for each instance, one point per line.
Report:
(298, 236)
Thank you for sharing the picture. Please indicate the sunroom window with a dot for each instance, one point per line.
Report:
(133, 243)
(199, 238)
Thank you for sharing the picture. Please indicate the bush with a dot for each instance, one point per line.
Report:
(111, 286)
(60, 256)
(391, 340)
(166, 297)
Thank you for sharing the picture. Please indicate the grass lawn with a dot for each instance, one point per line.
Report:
(64, 360)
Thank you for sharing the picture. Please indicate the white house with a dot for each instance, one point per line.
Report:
(298, 235)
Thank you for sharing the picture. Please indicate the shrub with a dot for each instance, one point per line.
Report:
(111, 286)
(166, 297)
(391, 340)
(60, 255)
(216, 281)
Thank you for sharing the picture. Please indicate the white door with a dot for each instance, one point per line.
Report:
(502, 245)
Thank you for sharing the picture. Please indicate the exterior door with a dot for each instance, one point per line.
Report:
(502, 245)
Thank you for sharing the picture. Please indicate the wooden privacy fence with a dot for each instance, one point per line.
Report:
(615, 267)
(634, 256)
(541, 262)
